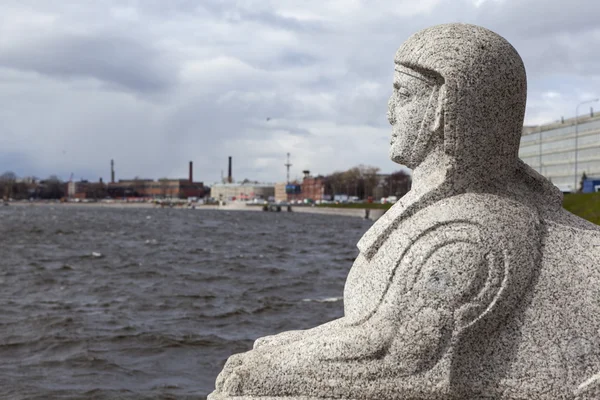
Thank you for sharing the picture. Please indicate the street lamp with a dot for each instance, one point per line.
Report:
(577, 136)
(540, 139)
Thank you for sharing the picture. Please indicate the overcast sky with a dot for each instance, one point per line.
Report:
(154, 84)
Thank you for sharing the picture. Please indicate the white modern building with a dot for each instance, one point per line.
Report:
(562, 151)
(242, 191)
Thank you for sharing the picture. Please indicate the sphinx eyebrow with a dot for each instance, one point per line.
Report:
(414, 74)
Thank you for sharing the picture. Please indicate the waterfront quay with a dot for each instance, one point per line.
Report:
(371, 214)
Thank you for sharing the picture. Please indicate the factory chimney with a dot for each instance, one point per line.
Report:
(229, 178)
(112, 171)
(191, 175)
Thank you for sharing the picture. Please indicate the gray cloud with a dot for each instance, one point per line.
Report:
(155, 84)
(534, 19)
(117, 61)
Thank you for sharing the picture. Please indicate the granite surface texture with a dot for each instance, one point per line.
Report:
(476, 284)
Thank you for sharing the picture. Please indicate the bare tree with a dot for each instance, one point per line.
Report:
(398, 184)
(358, 181)
(334, 183)
(7, 183)
(362, 180)
(352, 180)
(52, 188)
(369, 178)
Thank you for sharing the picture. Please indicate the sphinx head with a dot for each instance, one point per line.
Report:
(414, 111)
(461, 88)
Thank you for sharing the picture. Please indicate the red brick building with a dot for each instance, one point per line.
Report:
(311, 188)
(163, 188)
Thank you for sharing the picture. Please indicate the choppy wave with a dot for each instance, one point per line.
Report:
(103, 303)
(325, 300)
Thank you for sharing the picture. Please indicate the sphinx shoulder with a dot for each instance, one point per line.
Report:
(488, 211)
(484, 220)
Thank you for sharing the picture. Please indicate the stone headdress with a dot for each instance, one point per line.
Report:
(484, 92)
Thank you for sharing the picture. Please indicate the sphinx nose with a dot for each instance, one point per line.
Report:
(390, 111)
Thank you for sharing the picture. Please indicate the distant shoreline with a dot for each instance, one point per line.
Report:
(374, 214)
(94, 204)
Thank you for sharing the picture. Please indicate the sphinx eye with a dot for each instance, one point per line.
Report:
(402, 91)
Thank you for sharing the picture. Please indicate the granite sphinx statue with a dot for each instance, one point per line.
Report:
(477, 284)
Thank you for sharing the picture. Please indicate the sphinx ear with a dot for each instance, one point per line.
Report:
(438, 121)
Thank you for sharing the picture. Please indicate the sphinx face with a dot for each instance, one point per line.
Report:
(407, 113)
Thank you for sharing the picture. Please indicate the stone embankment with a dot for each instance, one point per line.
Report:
(372, 214)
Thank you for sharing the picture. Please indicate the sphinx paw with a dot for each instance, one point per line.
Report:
(246, 373)
(279, 339)
(234, 384)
(232, 363)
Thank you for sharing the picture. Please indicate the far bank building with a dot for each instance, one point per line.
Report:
(564, 150)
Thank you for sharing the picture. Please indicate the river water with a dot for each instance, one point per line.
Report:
(110, 303)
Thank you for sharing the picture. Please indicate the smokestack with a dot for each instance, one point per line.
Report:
(112, 171)
(229, 179)
(191, 172)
